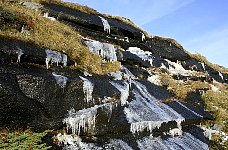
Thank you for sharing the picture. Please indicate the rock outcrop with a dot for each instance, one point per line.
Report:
(127, 109)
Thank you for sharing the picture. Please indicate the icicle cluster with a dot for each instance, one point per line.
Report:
(87, 90)
(105, 50)
(55, 57)
(61, 80)
(85, 119)
(82, 119)
(19, 52)
(144, 55)
(105, 24)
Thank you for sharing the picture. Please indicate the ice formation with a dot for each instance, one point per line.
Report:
(84, 119)
(105, 24)
(175, 68)
(220, 74)
(175, 131)
(144, 55)
(146, 112)
(55, 57)
(154, 79)
(105, 50)
(46, 16)
(117, 144)
(189, 109)
(124, 89)
(143, 37)
(203, 65)
(19, 54)
(185, 141)
(214, 88)
(74, 142)
(116, 75)
(87, 90)
(61, 80)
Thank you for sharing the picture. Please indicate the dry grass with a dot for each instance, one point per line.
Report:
(54, 35)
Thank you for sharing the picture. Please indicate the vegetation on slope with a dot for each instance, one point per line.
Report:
(49, 34)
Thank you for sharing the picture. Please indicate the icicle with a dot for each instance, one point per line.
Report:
(61, 80)
(19, 54)
(149, 125)
(124, 90)
(55, 57)
(105, 24)
(143, 37)
(87, 90)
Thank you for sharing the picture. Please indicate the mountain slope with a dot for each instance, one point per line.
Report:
(102, 77)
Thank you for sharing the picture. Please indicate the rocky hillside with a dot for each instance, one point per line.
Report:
(100, 82)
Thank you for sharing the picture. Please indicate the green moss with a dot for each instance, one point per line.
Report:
(22, 140)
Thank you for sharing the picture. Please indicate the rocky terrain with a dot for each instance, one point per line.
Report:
(105, 81)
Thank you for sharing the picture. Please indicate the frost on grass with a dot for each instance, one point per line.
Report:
(105, 24)
(87, 90)
(55, 57)
(144, 55)
(105, 50)
(61, 80)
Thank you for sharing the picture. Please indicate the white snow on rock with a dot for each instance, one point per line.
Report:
(105, 50)
(175, 131)
(19, 52)
(185, 141)
(124, 89)
(61, 80)
(154, 79)
(105, 24)
(144, 55)
(87, 90)
(116, 75)
(55, 57)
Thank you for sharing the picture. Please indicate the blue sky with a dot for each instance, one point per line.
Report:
(200, 26)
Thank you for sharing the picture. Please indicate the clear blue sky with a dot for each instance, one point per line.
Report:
(200, 26)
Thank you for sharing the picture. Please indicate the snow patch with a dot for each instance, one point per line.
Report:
(105, 24)
(214, 88)
(203, 65)
(46, 16)
(220, 74)
(61, 80)
(143, 37)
